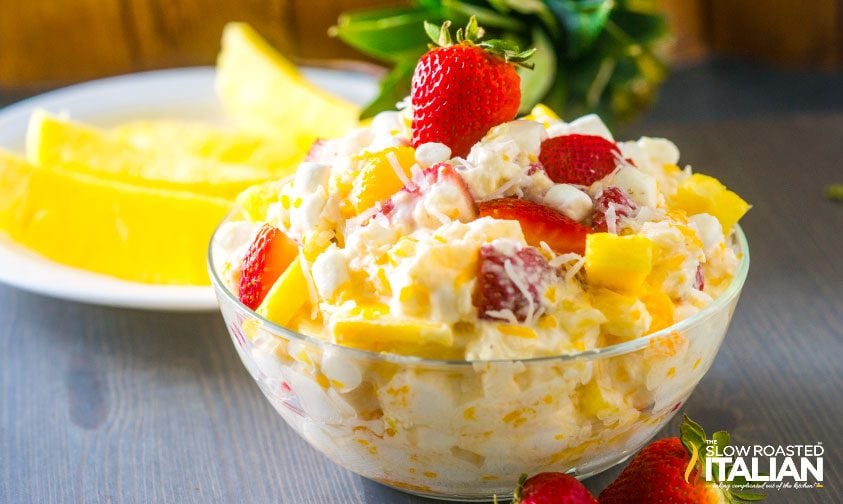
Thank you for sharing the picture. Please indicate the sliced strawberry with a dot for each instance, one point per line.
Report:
(442, 180)
(699, 278)
(578, 159)
(268, 256)
(613, 198)
(539, 223)
(511, 280)
(551, 488)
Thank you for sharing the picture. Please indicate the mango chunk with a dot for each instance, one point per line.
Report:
(286, 296)
(395, 335)
(703, 194)
(377, 178)
(618, 262)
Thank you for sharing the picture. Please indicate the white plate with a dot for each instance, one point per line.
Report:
(185, 93)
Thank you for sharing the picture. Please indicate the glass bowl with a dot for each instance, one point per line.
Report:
(462, 430)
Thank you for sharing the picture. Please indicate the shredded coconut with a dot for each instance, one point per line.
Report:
(519, 283)
(504, 314)
(573, 270)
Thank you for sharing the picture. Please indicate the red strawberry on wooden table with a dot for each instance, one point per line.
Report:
(672, 470)
(268, 256)
(578, 159)
(551, 488)
(461, 90)
(539, 223)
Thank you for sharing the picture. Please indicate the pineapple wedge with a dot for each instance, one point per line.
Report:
(264, 92)
(134, 233)
(286, 296)
(618, 262)
(395, 335)
(279, 156)
(704, 194)
(54, 142)
(377, 178)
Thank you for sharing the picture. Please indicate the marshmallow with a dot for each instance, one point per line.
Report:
(569, 200)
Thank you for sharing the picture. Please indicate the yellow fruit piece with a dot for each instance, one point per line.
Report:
(618, 262)
(255, 200)
(543, 114)
(660, 307)
(54, 142)
(626, 317)
(703, 194)
(134, 233)
(265, 92)
(286, 296)
(279, 156)
(377, 176)
(594, 401)
(395, 335)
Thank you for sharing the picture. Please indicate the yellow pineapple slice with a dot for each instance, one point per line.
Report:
(378, 177)
(377, 331)
(703, 194)
(264, 92)
(134, 233)
(55, 142)
(279, 156)
(618, 262)
(287, 295)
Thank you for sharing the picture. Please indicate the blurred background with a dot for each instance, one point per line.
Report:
(787, 51)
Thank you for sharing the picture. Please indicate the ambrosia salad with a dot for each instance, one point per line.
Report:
(501, 241)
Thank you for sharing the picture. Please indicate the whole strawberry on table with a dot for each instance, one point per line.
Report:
(667, 471)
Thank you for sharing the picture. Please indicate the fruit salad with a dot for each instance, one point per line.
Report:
(450, 230)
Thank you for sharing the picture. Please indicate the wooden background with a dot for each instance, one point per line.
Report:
(45, 43)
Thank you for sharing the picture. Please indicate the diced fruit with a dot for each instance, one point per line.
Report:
(256, 200)
(703, 194)
(287, 295)
(264, 92)
(578, 159)
(543, 114)
(611, 198)
(511, 281)
(660, 307)
(551, 488)
(134, 233)
(618, 262)
(383, 333)
(626, 316)
(539, 223)
(377, 178)
(460, 91)
(54, 142)
(269, 255)
(594, 399)
(277, 155)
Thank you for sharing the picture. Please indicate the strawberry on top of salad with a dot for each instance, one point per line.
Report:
(450, 229)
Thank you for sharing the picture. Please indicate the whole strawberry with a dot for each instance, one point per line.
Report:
(460, 91)
(578, 159)
(671, 471)
(551, 488)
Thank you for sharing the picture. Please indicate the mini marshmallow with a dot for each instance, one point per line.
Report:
(569, 200)
(708, 228)
(589, 124)
(660, 150)
(387, 123)
(311, 176)
(641, 187)
(329, 272)
(428, 154)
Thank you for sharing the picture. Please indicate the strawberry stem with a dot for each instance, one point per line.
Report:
(471, 35)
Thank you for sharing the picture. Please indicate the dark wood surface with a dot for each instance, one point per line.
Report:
(110, 405)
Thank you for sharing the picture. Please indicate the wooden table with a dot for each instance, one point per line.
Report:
(109, 405)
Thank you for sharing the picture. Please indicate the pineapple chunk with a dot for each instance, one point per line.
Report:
(395, 335)
(377, 179)
(626, 316)
(256, 200)
(543, 114)
(704, 194)
(618, 262)
(286, 296)
(660, 307)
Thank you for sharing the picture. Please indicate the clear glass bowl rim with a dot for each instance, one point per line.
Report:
(603, 352)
